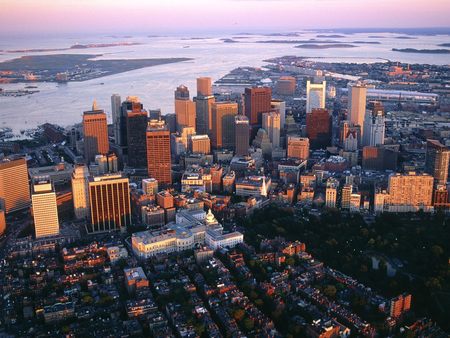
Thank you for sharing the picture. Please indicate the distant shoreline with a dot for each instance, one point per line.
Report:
(421, 51)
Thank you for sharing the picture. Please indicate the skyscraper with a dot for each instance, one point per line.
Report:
(203, 105)
(331, 192)
(95, 129)
(242, 135)
(45, 210)
(80, 191)
(298, 147)
(184, 108)
(357, 94)
(315, 95)
(271, 123)
(204, 86)
(374, 126)
(14, 186)
(158, 152)
(318, 128)
(280, 106)
(257, 102)
(136, 137)
(199, 144)
(116, 112)
(223, 133)
(410, 192)
(285, 85)
(110, 203)
(130, 104)
(437, 161)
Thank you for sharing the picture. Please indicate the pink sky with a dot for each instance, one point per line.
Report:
(102, 16)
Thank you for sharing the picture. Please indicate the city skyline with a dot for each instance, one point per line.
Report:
(101, 16)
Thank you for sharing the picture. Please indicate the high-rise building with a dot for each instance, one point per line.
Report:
(331, 193)
(45, 209)
(136, 136)
(410, 192)
(346, 195)
(298, 147)
(374, 126)
(257, 101)
(262, 141)
(280, 106)
(110, 203)
(315, 95)
(223, 116)
(271, 122)
(95, 130)
(2, 221)
(132, 103)
(204, 87)
(399, 305)
(199, 144)
(80, 191)
(116, 112)
(184, 108)
(14, 186)
(357, 94)
(437, 161)
(150, 186)
(318, 128)
(242, 135)
(285, 85)
(158, 152)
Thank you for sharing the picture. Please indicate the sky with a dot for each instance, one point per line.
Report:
(177, 16)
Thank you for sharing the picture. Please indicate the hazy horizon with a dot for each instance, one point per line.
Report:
(58, 17)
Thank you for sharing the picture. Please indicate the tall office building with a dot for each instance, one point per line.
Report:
(14, 186)
(95, 129)
(130, 104)
(136, 137)
(158, 152)
(242, 135)
(331, 192)
(116, 112)
(110, 203)
(45, 209)
(80, 191)
(280, 106)
(271, 122)
(184, 108)
(298, 147)
(285, 85)
(357, 94)
(223, 133)
(199, 144)
(257, 101)
(318, 128)
(204, 87)
(346, 195)
(2, 221)
(410, 192)
(203, 105)
(437, 161)
(374, 126)
(315, 95)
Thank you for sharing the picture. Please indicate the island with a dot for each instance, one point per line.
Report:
(71, 67)
(422, 51)
(76, 46)
(334, 45)
(229, 41)
(444, 45)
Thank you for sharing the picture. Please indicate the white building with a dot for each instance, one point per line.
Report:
(271, 122)
(315, 95)
(280, 106)
(45, 210)
(374, 128)
(150, 186)
(192, 228)
(253, 186)
(331, 193)
(355, 202)
(80, 191)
